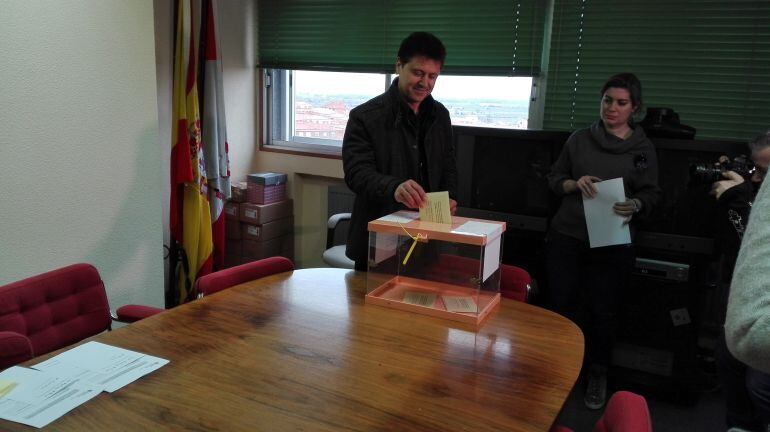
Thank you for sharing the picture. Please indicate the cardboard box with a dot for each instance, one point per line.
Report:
(267, 248)
(238, 192)
(261, 194)
(267, 178)
(259, 214)
(232, 210)
(234, 260)
(233, 247)
(233, 229)
(269, 230)
(266, 187)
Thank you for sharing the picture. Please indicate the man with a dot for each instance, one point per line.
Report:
(747, 390)
(399, 145)
(734, 196)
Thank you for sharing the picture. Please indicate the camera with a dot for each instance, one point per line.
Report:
(710, 173)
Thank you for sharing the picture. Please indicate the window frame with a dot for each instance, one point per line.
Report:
(319, 147)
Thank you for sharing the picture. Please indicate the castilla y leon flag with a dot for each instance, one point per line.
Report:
(215, 146)
(190, 219)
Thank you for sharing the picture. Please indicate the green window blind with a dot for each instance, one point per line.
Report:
(482, 37)
(708, 60)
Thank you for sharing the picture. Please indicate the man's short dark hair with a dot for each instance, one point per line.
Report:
(422, 44)
(760, 143)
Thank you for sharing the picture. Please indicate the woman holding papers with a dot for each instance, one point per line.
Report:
(585, 282)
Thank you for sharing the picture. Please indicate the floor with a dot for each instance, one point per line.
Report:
(705, 413)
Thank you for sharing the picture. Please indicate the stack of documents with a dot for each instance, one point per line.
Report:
(40, 395)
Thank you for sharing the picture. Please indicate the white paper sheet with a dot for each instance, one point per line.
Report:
(460, 304)
(402, 216)
(36, 398)
(491, 258)
(605, 227)
(103, 365)
(420, 298)
(385, 246)
(437, 208)
(479, 228)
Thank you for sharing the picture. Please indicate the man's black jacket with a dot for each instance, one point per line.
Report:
(380, 150)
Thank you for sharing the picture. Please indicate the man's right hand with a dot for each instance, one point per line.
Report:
(733, 179)
(410, 194)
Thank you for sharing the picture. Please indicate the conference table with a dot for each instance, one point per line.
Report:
(301, 351)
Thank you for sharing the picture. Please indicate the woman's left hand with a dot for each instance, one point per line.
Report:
(627, 208)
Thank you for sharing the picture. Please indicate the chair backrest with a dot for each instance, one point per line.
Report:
(515, 282)
(334, 256)
(626, 412)
(217, 281)
(53, 309)
(331, 227)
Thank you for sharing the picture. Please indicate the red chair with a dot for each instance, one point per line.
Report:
(515, 283)
(625, 412)
(49, 311)
(217, 281)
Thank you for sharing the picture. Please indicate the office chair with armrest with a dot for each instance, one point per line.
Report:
(49, 311)
(335, 255)
(219, 280)
(625, 412)
(515, 282)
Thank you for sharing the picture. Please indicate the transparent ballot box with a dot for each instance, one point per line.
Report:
(450, 271)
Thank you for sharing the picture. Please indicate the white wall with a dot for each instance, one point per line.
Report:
(309, 176)
(79, 145)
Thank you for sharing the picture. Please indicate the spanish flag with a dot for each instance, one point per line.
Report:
(215, 146)
(190, 219)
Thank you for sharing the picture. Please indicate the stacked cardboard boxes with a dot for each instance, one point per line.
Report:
(259, 220)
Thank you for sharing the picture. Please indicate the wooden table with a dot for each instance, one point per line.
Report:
(301, 351)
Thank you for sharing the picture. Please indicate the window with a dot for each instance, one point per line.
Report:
(497, 102)
(308, 110)
(483, 38)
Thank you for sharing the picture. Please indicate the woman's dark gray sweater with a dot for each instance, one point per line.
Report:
(593, 151)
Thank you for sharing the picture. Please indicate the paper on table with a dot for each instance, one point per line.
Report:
(459, 304)
(436, 209)
(37, 398)
(402, 216)
(420, 298)
(104, 365)
(605, 227)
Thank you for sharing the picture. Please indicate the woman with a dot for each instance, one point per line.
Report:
(585, 283)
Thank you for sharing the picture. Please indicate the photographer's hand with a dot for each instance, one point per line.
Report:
(733, 179)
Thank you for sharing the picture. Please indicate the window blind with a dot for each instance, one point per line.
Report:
(483, 37)
(709, 60)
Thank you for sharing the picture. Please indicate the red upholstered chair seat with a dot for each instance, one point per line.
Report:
(515, 283)
(217, 281)
(15, 348)
(52, 310)
(625, 412)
